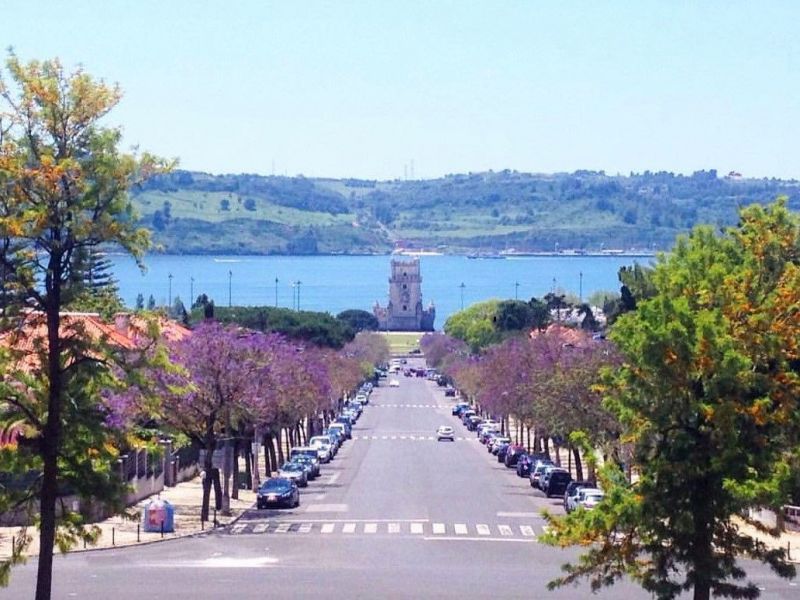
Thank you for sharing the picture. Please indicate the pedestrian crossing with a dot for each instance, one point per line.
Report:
(411, 438)
(423, 529)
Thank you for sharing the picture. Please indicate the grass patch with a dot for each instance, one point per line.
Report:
(403, 342)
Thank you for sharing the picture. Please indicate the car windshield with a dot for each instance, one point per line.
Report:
(275, 485)
(291, 466)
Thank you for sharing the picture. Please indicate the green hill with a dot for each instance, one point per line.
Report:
(201, 213)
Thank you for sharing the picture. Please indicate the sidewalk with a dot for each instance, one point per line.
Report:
(185, 497)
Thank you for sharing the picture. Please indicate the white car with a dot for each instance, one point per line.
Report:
(445, 432)
(588, 498)
(394, 383)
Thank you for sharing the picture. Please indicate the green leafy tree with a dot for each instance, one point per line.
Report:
(708, 395)
(139, 301)
(63, 188)
(151, 303)
(359, 320)
(475, 325)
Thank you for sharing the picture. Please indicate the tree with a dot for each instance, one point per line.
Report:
(139, 302)
(359, 320)
(151, 303)
(708, 394)
(63, 191)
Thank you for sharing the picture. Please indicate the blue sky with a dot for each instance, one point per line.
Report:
(360, 89)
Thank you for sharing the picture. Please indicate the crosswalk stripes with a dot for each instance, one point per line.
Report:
(414, 528)
(526, 530)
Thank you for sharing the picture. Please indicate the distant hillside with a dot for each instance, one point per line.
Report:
(238, 214)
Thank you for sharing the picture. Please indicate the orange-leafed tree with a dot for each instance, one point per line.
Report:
(63, 191)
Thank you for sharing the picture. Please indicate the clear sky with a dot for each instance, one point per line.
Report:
(360, 89)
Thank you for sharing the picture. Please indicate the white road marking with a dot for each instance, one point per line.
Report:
(394, 437)
(416, 528)
(430, 437)
(402, 437)
(349, 528)
(411, 437)
(305, 528)
(394, 527)
(374, 437)
(283, 528)
(521, 515)
(526, 530)
(332, 479)
(328, 527)
(482, 529)
(384, 437)
(461, 528)
(238, 528)
(438, 528)
(504, 529)
(261, 528)
(371, 528)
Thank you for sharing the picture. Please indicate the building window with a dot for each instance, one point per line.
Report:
(405, 307)
(404, 286)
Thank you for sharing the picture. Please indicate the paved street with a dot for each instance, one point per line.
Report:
(395, 515)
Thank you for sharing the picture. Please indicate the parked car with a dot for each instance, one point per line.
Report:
(495, 443)
(305, 453)
(466, 415)
(450, 391)
(589, 498)
(571, 493)
(295, 471)
(524, 464)
(342, 429)
(277, 491)
(459, 407)
(537, 471)
(512, 455)
(445, 432)
(473, 422)
(500, 450)
(556, 483)
(322, 444)
(546, 475)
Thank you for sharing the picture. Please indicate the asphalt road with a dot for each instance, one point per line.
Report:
(395, 515)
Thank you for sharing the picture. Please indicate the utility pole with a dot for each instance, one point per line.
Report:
(298, 282)
(516, 290)
(191, 292)
(276, 292)
(169, 295)
(462, 286)
(580, 286)
(230, 289)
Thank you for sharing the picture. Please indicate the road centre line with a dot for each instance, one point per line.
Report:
(416, 528)
(328, 527)
(438, 528)
(521, 515)
(504, 529)
(371, 528)
(460, 528)
(483, 529)
(349, 528)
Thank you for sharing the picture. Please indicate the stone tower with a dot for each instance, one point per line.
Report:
(404, 311)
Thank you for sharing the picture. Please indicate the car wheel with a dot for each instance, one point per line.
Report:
(297, 501)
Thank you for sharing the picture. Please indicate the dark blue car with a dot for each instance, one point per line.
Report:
(278, 492)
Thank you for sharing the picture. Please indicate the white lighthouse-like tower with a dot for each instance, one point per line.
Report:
(405, 311)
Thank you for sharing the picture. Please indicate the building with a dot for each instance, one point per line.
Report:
(404, 311)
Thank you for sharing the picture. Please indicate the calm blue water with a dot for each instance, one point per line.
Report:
(337, 283)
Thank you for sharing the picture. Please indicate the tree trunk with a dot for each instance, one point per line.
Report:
(208, 465)
(528, 445)
(547, 446)
(248, 471)
(272, 460)
(578, 465)
(51, 436)
(557, 450)
(235, 490)
(280, 445)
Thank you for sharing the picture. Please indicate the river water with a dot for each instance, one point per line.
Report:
(336, 283)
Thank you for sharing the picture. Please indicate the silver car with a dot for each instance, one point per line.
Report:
(294, 472)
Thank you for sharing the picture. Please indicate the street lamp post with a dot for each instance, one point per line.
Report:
(516, 290)
(580, 286)
(169, 295)
(298, 283)
(230, 289)
(191, 292)
(276, 292)
(462, 286)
